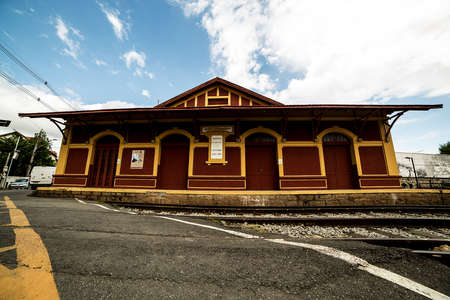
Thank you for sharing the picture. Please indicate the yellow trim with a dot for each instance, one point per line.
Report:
(216, 87)
(70, 184)
(302, 176)
(62, 160)
(385, 162)
(140, 145)
(158, 149)
(354, 145)
(144, 186)
(224, 135)
(308, 144)
(106, 132)
(303, 188)
(217, 188)
(245, 192)
(378, 186)
(93, 141)
(389, 152)
(279, 153)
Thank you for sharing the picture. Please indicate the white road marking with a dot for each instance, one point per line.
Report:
(365, 266)
(240, 234)
(104, 207)
(347, 257)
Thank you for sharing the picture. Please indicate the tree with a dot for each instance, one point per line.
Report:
(42, 157)
(444, 148)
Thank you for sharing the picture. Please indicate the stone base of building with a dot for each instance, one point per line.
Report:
(255, 198)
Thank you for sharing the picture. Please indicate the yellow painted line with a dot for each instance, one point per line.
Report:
(33, 277)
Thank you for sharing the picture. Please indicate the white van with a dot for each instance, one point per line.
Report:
(41, 176)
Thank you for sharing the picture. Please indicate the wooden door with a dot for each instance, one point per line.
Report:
(260, 161)
(173, 167)
(102, 172)
(338, 165)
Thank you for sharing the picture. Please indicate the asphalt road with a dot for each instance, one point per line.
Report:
(97, 253)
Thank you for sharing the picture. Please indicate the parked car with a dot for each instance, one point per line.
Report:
(21, 183)
(41, 176)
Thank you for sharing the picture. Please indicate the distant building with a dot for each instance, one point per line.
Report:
(432, 169)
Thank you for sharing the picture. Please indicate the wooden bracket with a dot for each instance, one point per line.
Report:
(57, 124)
(386, 122)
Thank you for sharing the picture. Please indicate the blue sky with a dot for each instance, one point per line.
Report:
(104, 54)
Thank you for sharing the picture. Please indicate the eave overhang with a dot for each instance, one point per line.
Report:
(234, 112)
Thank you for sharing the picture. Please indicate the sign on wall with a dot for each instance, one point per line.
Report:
(216, 147)
(137, 159)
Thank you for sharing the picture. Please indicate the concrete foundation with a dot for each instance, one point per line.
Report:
(254, 198)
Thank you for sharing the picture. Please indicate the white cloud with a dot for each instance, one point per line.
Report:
(120, 27)
(68, 37)
(115, 72)
(145, 93)
(330, 51)
(191, 7)
(77, 33)
(109, 105)
(32, 10)
(133, 57)
(43, 35)
(18, 11)
(72, 94)
(58, 66)
(100, 62)
(16, 102)
(136, 60)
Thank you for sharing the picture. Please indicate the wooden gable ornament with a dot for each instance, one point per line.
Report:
(218, 92)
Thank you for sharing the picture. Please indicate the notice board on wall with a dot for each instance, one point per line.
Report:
(216, 147)
(137, 159)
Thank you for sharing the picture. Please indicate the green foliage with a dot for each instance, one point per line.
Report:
(444, 148)
(19, 166)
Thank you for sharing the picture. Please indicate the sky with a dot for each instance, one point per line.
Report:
(136, 53)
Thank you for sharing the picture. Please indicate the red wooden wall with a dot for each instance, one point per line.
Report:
(372, 160)
(76, 161)
(232, 156)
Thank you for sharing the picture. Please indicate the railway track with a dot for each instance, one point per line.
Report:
(430, 232)
(343, 221)
(284, 210)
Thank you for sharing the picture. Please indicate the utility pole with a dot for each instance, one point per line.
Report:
(36, 143)
(15, 154)
(5, 169)
(414, 168)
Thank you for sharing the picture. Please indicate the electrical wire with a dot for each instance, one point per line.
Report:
(16, 84)
(15, 59)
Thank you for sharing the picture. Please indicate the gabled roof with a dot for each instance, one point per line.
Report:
(221, 81)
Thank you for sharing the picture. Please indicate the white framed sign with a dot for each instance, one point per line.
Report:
(137, 159)
(216, 147)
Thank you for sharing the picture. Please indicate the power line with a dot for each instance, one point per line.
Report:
(13, 82)
(34, 74)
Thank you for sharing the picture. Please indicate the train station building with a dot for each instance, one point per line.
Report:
(221, 136)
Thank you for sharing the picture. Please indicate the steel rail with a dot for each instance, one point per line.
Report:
(283, 209)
